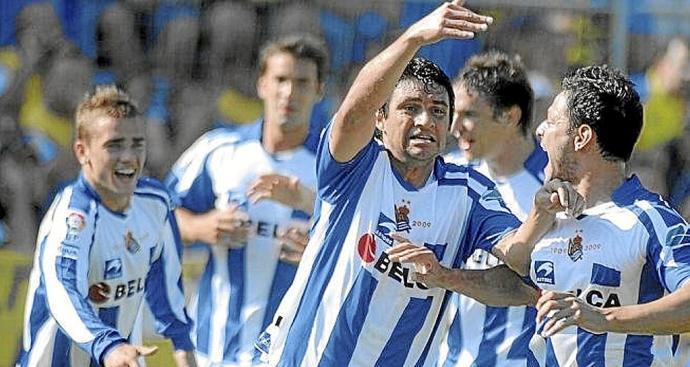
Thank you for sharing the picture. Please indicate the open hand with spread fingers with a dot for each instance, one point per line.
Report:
(450, 20)
(560, 310)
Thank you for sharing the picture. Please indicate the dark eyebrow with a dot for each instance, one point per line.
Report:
(139, 140)
(114, 141)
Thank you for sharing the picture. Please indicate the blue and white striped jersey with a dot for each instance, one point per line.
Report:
(496, 336)
(628, 251)
(92, 269)
(240, 288)
(349, 305)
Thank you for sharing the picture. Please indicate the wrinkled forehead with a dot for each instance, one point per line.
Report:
(415, 88)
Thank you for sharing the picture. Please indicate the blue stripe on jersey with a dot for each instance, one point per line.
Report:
(157, 298)
(422, 359)
(39, 307)
(590, 349)
(551, 360)
(282, 279)
(236, 258)
(82, 194)
(61, 350)
(455, 341)
(109, 315)
(341, 183)
(638, 348)
(603, 275)
(411, 321)
(492, 335)
(348, 325)
(203, 312)
(520, 347)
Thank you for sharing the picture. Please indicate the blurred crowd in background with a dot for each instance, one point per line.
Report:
(191, 66)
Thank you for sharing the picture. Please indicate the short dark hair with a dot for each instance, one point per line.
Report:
(428, 73)
(303, 46)
(605, 99)
(502, 81)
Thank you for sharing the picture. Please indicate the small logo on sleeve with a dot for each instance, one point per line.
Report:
(544, 272)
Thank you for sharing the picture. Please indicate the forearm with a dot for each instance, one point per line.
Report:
(188, 222)
(498, 286)
(667, 315)
(515, 248)
(355, 121)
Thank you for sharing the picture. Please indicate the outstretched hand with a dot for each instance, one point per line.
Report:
(450, 20)
(286, 190)
(126, 355)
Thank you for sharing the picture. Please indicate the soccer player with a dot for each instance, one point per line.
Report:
(349, 303)
(108, 240)
(606, 272)
(493, 113)
(229, 185)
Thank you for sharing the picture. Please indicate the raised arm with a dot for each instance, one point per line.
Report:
(354, 123)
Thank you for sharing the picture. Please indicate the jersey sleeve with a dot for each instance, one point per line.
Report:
(489, 219)
(336, 179)
(164, 292)
(668, 248)
(64, 260)
(190, 181)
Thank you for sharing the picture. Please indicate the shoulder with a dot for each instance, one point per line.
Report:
(150, 188)
(210, 142)
(449, 174)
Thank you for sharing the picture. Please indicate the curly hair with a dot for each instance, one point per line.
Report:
(605, 99)
(104, 100)
(501, 80)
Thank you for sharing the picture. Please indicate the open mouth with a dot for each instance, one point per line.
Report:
(465, 144)
(125, 173)
(423, 138)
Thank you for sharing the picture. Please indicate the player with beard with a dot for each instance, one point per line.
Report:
(350, 305)
(606, 274)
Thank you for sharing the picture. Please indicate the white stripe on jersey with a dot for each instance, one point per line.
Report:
(349, 304)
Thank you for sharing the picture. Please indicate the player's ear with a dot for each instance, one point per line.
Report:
(512, 115)
(380, 117)
(584, 137)
(79, 148)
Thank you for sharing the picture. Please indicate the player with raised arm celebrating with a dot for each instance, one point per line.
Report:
(349, 303)
(108, 241)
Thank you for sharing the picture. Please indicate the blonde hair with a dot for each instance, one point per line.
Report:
(105, 100)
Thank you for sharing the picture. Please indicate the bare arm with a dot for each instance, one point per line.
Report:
(354, 123)
(498, 286)
(515, 248)
(229, 224)
(667, 315)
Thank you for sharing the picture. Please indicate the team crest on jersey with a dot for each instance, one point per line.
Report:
(131, 243)
(113, 269)
(384, 227)
(575, 247)
(402, 216)
(544, 272)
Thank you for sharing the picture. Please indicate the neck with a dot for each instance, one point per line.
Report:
(414, 175)
(276, 140)
(597, 184)
(512, 157)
